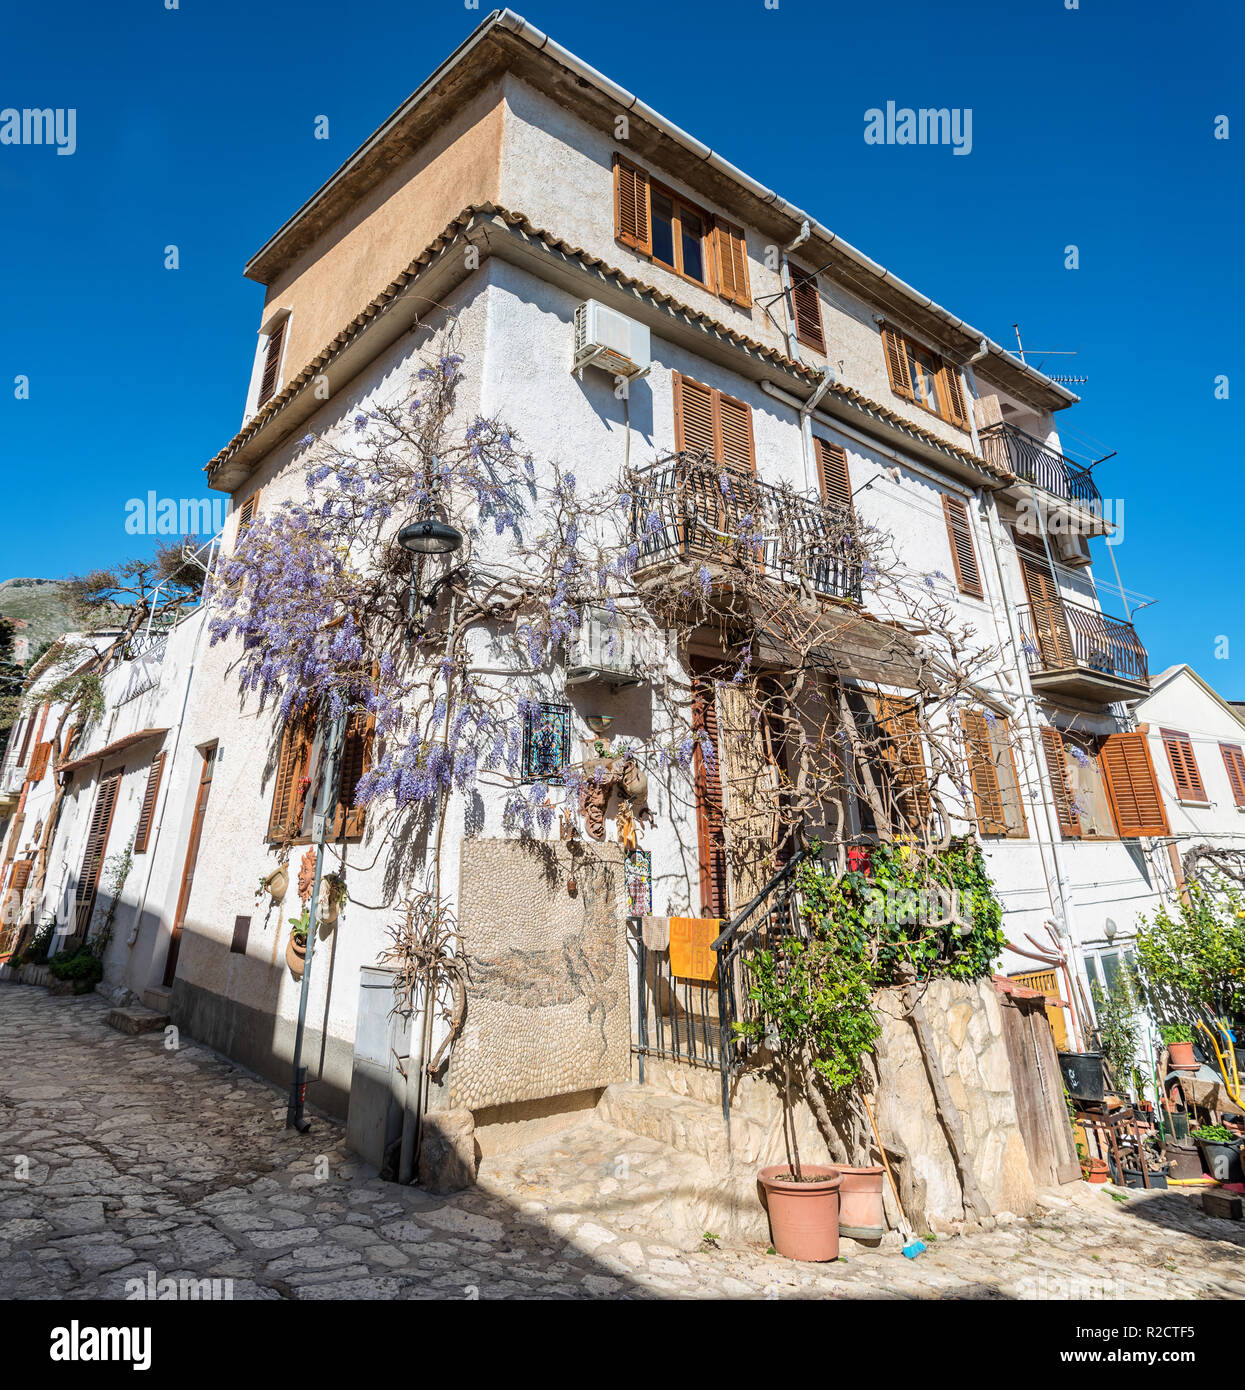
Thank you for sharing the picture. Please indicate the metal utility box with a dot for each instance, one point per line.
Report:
(374, 1119)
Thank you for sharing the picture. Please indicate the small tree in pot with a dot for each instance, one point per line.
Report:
(813, 1013)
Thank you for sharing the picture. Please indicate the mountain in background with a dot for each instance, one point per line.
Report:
(39, 603)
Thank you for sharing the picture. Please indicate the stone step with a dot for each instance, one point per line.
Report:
(136, 1021)
(157, 998)
(682, 1123)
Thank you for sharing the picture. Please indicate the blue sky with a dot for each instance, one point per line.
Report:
(1091, 127)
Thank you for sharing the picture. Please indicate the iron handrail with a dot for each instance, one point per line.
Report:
(1006, 446)
(1097, 641)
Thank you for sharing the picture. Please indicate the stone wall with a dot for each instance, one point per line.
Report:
(547, 998)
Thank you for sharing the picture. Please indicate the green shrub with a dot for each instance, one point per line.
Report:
(1175, 1033)
(1215, 1134)
(80, 965)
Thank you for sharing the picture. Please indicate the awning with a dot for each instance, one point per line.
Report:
(109, 749)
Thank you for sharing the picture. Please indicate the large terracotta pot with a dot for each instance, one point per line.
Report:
(295, 956)
(1096, 1170)
(1182, 1057)
(860, 1202)
(803, 1216)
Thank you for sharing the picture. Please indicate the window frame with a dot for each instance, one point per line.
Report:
(1233, 755)
(953, 397)
(643, 246)
(1182, 763)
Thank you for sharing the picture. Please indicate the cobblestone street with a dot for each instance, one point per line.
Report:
(123, 1160)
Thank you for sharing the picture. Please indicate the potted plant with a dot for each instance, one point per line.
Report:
(813, 1015)
(296, 946)
(1178, 1039)
(332, 899)
(274, 884)
(1221, 1152)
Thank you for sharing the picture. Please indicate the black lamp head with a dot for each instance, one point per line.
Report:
(430, 538)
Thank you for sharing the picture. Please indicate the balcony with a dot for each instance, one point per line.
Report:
(688, 511)
(1034, 462)
(1083, 653)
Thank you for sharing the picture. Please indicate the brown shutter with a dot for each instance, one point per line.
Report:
(896, 351)
(807, 304)
(1057, 767)
(952, 393)
(693, 417)
(293, 764)
(836, 483)
(1050, 623)
(632, 225)
(1132, 786)
(96, 844)
(987, 793)
(10, 916)
(905, 755)
(356, 759)
(272, 363)
(39, 761)
(735, 432)
(963, 556)
(245, 514)
(152, 790)
(710, 829)
(1183, 765)
(1234, 761)
(731, 254)
(30, 728)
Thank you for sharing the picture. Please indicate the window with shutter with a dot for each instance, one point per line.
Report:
(1234, 762)
(987, 793)
(1061, 784)
(293, 779)
(1183, 765)
(150, 792)
(806, 303)
(356, 760)
(39, 761)
(1132, 786)
(29, 730)
(710, 828)
(963, 554)
(93, 855)
(246, 513)
(708, 421)
(272, 363)
(903, 754)
(920, 375)
(1048, 616)
(836, 483)
(731, 257)
(631, 206)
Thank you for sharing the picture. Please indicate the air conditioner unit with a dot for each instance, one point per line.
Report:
(607, 339)
(1073, 549)
(610, 649)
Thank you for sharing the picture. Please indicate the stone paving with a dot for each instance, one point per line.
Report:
(123, 1160)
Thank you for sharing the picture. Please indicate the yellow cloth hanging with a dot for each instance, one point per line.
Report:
(691, 939)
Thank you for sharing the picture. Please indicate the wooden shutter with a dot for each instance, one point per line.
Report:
(272, 363)
(836, 483)
(731, 254)
(1132, 786)
(735, 432)
(710, 829)
(1050, 623)
(905, 755)
(1234, 761)
(39, 761)
(1183, 765)
(632, 224)
(246, 512)
(152, 790)
(807, 303)
(707, 421)
(987, 792)
(30, 728)
(951, 393)
(10, 916)
(293, 765)
(356, 759)
(96, 844)
(963, 555)
(896, 349)
(1057, 767)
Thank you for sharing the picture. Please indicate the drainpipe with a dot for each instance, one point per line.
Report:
(784, 273)
(806, 427)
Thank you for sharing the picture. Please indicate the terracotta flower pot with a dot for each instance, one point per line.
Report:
(803, 1216)
(276, 883)
(1096, 1170)
(295, 956)
(1182, 1058)
(861, 1214)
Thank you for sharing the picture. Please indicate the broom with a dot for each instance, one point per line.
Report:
(912, 1245)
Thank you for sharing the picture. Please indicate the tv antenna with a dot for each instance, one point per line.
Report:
(1049, 352)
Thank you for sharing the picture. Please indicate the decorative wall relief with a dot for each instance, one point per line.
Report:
(548, 1002)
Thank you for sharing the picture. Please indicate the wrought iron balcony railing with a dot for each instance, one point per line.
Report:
(1030, 459)
(1069, 636)
(688, 506)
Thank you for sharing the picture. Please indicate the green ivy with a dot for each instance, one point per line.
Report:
(81, 965)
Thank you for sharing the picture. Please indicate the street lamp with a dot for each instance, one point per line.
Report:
(430, 537)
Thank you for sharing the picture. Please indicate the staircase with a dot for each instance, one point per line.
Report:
(154, 1017)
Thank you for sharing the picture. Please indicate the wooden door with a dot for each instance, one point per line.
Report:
(192, 856)
(1050, 622)
(93, 855)
(1045, 983)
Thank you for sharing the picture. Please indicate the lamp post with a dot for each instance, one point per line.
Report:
(427, 537)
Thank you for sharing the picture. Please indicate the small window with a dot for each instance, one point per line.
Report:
(963, 555)
(657, 222)
(546, 742)
(992, 771)
(1234, 762)
(272, 362)
(806, 304)
(920, 375)
(1183, 765)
